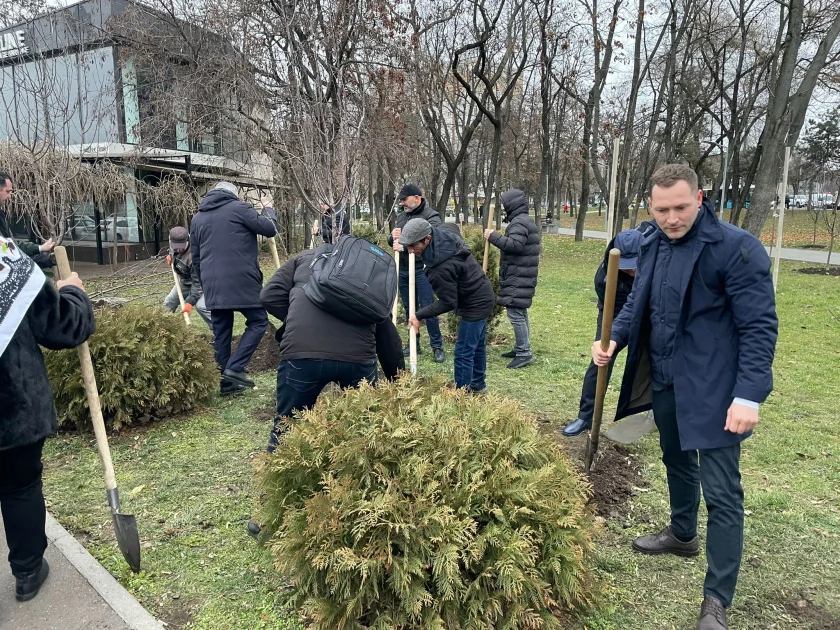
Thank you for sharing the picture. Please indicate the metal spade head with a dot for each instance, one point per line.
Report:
(632, 429)
(128, 539)
(125, 527)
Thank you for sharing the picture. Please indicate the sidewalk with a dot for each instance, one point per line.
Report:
(800, 255)
(79, 593)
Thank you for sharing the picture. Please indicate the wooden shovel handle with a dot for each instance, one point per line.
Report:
(272, 245)
(606, 336)
(180, 294)
(90, 388)
(412, 305)
(397, 297)
(486, 241)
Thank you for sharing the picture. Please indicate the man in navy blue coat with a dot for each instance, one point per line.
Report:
(223, 238)
(701, 328)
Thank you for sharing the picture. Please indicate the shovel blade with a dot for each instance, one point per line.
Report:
(632, 429)
(128, 539)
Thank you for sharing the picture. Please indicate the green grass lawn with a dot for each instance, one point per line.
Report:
(189, 481)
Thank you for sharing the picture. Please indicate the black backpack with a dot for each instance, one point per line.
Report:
(354, 280)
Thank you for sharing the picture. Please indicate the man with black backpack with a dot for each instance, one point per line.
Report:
(460, 286)
(327, 336)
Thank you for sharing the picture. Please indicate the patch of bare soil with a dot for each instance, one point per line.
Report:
(820, 271)
(267, 356)
(809, 613)
(616, 475)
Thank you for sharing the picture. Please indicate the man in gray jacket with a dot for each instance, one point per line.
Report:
(181, 256)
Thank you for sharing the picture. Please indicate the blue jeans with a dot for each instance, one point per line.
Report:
(299, 381)
(717, 472)
(471, 354)
(256, 323)
(425, 296)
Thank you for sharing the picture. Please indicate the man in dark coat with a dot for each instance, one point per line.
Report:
(334, 223)
(460, 286)
(415, 207)
(33, 312)
(180, 255)
(223, 238)
(628, 243)
(38, 253)
(701, 328)
(520, 260)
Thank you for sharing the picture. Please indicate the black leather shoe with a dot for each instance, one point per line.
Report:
(440, 355)
(238, 378)
(509, 355)
(577, 427)
(521, 362)
(254, 529)
(407, 350)
(666, 542)
(476, 392)
(712, 615)
(227, 388)
(27, 587)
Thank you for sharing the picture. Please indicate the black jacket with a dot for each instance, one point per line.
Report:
(223, 240)
(457, 279)
(333, 225)
(188, 274)
(309, 332)
(423, 211)
(520, 246)
(55, 320)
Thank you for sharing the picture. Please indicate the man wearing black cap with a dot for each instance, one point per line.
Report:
(415, 207)
(461, 286)
(181, 256)
(628, 243)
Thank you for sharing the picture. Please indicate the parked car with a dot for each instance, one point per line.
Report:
(800, 201)
(822, 200)
(122, 229)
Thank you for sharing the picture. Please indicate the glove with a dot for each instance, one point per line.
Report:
(187, 308)
(270, 213)
(168, 259)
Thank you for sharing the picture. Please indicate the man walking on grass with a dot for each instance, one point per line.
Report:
(460, 286)
(701, 328)
(520, 260)
(223, 239)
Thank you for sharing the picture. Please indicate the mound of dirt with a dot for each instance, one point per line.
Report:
(811, 614)
(267, 356)
(821, 271)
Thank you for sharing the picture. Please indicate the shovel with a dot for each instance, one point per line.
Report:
(487, 241)
(125, 525)
(632, 429)
(606, 335)
(412, 334)
(180, 293)
(397, 298)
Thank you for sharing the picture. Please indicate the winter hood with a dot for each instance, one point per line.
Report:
(216, 199)
(514, 203)
(443, 246)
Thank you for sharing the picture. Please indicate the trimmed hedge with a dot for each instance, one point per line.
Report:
(147, 364)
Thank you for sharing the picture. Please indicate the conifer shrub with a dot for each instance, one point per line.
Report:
(474, 236)
(147, 364)
(368, 231)
(412, 505)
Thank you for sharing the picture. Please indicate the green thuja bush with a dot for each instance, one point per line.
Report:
(368, 231)
(412, 505)
(147, 363)
(474, 236)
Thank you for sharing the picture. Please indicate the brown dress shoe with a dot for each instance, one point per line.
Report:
(666, 542)
(712, 615)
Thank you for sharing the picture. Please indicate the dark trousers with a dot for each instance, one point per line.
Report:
(424, 297)
(22, 502)
(299, 382)
(717, 472)
(590, 381)
(256, 323)
(471, 354)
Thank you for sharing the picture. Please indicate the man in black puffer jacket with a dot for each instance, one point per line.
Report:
(415, 207)
(520, 246)
(460, 286)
